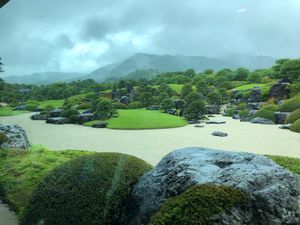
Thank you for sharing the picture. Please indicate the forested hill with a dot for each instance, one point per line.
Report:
(169, 63)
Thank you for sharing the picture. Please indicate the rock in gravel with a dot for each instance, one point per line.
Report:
(100, 125)
(274, 192)
(286, 126)
(199, 126)
(215, 122)
(219, 134)
(13, 136)
(260, 120)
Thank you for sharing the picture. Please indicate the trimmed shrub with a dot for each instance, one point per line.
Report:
(230, 112)
(134, 105)
(91, 189)
(84, 106)
(47, 109)
(31, 107)
(199, 205)
(270, 107)
(3, 138)
(241, 106)
(290, 105)
(295, 115)
(267, 114)
(296, 126)
(244, 113)
(69, 113)
(119, 105)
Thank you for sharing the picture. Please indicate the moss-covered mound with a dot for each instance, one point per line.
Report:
(296, 126)
(3, 138)
(88, 190)
(198, 205)
(295, 115)
(290, 105)
(267, 114)
(270, 107)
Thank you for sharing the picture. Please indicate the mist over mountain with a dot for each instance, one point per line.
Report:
(42, 78)
(144, 65)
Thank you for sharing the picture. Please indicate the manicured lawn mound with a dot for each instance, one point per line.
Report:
(20, 172)
(88, 190)
(290, 105)
(144, 119)
(270, 107)
(290, 163)
(247, 87)
(55, 103)
(295, 115)
(267, 114)
(8, 111)
(296, 126)
(198, 205)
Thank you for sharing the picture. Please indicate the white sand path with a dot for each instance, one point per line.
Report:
(152, 145)
(7, 217)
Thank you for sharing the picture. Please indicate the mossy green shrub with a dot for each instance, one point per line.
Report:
(244, 113)
(296, 126)
(241, 106)
(69, 113)
(290, 105)
(3, 138)
(119, 105)
(84, 106)
(271, 107)
(295, 115)
(47, 109)
(135, 105)
(198, 205)
(31, 107)
(88, 190)
(267, 114)
(230, 111)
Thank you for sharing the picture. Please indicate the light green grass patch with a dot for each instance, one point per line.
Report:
(55, 103)
(8, 111)
(290, 163)
(135, 119)
(21, 171)
(248, 87)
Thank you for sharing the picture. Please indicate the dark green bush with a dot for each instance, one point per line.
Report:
(69, 113)
(31, 107)
(295, 115)
(241, 106)
(198, 205)
(88, 190)
(84, 106)
(270, 107)
(296, 126)
(119, 105)
(244, 113)
(230, 111)
(3, 138)
(47, 109)
(267, 114)
(135, 105)
(290, 105)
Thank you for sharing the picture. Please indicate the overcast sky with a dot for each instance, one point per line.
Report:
(76, 35)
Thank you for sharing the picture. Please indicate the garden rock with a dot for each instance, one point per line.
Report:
(55, 113)
(255, 95)
(57, 120)
(38, 116)
(16, 137)
(125, 100)
(21, 107)
(253, 105)
(280, 117)
(84, 117)
(260, 120)
(216, 122)
(213, 109)
(280, 90)
(100, 125)
(199, 126)
(219, 134)
(274, 192)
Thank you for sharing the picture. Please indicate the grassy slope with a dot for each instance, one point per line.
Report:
(7, 111)
(143, 119)
(20, 172)
(247, 87)
(55, 103)
(290, 163)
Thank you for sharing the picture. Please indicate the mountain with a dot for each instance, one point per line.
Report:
(169, 63)
(43, 78)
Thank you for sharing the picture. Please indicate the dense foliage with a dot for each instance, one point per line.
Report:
(266, 114)
(296, 126)
(295, 115)
(198, 205)
(290, 105)
(88, 190)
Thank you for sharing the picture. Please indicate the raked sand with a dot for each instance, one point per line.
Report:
(152, 145)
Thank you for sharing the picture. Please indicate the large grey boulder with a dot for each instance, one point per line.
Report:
(16, 137)
(280, 117)
(219, 134)
(280, 90)
(213, 109)
(125, 100)
(84, 117)
(255, 95)
(38, 116)
(57, 120)
(274, 191)
(55, 113)
(260, 120)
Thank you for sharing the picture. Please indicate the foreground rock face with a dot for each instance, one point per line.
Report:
(274, 191)
(260, 120)
(16, 137)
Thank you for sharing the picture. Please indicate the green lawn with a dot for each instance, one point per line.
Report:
(135, 119)
(55, 103)
(20, 172)
(248, 87)
(8, 111)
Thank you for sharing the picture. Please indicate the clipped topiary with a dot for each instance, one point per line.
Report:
(296, 126)
(271, 107)
(290, 105)
(3, 138)
(266, 114)
(31, 107)
(199, 205)
(88, 190)
(295, 115)
(69, 113)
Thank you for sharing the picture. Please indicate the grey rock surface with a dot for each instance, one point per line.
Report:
(280, 117)
(16, 137)
(274, 191)
(38, 116)
(56, 120)
(260, 120)
(100, 125)
(215, 122)
(213, 109)
(219, 134)
(286, 126)
(55, 113)
(255, 95)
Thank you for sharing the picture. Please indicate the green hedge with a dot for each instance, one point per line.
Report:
(230, 111)
(3, 138)
(290, 105)
(295, 115)
(267, 114)
(270, 107)
(296, 126)
(88, 190)
(198, 205)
